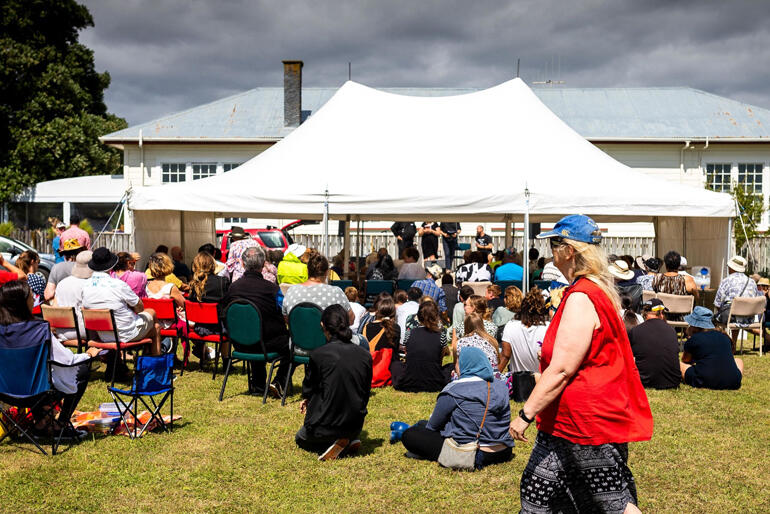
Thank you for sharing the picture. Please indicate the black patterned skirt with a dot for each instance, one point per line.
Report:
(566, 477)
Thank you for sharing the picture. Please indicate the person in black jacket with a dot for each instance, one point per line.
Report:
(404, 232)
(262, 293)
(656, 348)
(335, 391)
(422, 370)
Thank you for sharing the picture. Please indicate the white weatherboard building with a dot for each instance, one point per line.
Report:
(681, 134)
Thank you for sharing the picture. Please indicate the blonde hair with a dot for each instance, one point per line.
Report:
(474, 324)
(160, 265)
(480, 306)
(591, 263)
(513, 298)
(203, 265)
(26, 259)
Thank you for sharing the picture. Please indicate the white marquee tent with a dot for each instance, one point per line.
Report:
(458, 158)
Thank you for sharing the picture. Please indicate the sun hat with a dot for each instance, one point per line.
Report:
(655, 305)
(619, 269)
(737, 263)
(237, 232)
(61, 225)
(653, 264)
(641, 259)
(70, 245)
(81, 269)
(700, 317)
(435, 270)
(296, 249)
(577, 227)
(103, 260)
(763, 282)
(683, 263)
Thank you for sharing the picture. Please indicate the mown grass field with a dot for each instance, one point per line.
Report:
(710, 453)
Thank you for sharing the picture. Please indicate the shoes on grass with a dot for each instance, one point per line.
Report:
(335, 449)
(353, 447)
(276, 390)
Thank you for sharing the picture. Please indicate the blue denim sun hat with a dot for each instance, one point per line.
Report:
(700, 317)
(577, 227)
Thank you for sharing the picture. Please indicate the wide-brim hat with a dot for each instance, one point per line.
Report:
(435, 270)
(763, 282)
(70, 245)
(640, 261)
(103, 260)
(81, 269)
(296, 249)
(737, 263)
(700, 317)
(237, 232)
(619, 269)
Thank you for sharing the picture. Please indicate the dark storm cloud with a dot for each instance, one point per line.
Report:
(168, 55)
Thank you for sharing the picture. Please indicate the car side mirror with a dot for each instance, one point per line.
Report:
(14, 251)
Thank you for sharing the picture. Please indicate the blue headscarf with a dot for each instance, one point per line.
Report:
(474, 363)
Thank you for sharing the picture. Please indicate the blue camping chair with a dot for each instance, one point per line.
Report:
(153, 376)
(25, 377)
(306, 335)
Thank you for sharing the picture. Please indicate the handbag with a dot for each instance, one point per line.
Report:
(522, 384)
(463, 456)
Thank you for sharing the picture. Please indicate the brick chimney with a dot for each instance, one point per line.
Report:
(292, 93)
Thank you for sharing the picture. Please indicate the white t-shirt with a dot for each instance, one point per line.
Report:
(524, 347)
(552, 273)
(403, 312)
(104, 292)
(69, 293)
(358, 312)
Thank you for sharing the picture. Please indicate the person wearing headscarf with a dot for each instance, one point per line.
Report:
(459, 412)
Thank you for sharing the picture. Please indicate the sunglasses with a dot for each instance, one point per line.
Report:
(556, 242)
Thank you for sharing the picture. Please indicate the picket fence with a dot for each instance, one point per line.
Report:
(39, 240)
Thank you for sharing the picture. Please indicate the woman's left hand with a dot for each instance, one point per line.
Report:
(517, 429)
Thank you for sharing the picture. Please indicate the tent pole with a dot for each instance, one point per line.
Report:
(346, 249)
(326, 223)
(181, 230)
(358, 253)
(524, 249)
(730, 227)
(508, 231)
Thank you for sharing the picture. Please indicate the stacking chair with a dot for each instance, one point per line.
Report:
(648, 295)
(748, 307)
(165, 310)
(342, 284)
(505, 283)
(306, 335)
(404, 283)
(206, 313)
(65, 318)
(25, 378)
(153, 376)
(103, 320)
(480, 288)
(375, 287)
(244, 327)
(679, 305)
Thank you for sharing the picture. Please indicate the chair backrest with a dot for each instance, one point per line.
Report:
(648, 295)
(505, 283)
(405, 283)
(153, 373)
(199, 312)
(98, 320)
(24, 358)
(164, 308)
(375, 287)
(463, 246)
(480, 288)
(748, 306)
(285, 288)
(342, 284)
(305, 326)
(540, 284)
(60, 317)
(677, 304)
(243, 322)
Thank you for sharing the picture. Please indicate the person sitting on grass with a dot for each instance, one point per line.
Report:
(335, 391)
(351, 293)
(512, 300)
(476, 304)
(429, 287)
(493, 295)
(656, 348)
(476, 335)
(523, 336)
(707, 360)
(460, 409)
(424, 351)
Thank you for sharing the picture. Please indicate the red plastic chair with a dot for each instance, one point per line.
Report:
(65, 318)
(103, 320)
(207, 314)
(165, 310)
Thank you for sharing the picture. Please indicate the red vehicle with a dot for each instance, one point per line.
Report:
(272, 238)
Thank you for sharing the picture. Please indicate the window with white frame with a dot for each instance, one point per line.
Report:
(173, 172)
(230, 166)
(203, 170)
(718, 177)
(750, 177)
(236, 220)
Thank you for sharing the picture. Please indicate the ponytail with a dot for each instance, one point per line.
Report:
(335, 321)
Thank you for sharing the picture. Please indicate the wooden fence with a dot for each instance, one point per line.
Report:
(757, 251)
(39, 240)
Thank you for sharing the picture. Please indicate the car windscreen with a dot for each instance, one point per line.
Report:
(271, 239)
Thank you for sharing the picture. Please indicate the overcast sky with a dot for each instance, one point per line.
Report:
(169, 55)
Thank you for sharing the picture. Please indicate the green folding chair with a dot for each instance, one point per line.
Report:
(342, 284)
(405, 283)
(244, 328)
(306, 335)
(374, 287)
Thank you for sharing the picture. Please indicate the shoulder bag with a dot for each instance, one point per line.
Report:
(463, 456)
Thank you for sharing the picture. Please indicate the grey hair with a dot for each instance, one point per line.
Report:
(253, 259)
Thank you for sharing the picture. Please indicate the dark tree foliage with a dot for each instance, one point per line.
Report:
(51, 98)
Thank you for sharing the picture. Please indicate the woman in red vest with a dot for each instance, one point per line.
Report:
(589, 402)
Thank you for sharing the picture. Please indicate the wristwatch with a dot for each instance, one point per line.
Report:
(524, 416)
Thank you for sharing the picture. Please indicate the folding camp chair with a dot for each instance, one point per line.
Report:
(748, 307)
(165, 311)
(479, 288)
(678, 305)
(405, 283)
(205, 313)
(505, 283)
(65, 318)
(342, 284)
(306, 335)
(25, 378)
(374, 287)
(103, 320)
(244, 327)
(154, 375)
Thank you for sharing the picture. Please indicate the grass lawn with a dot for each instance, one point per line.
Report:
(709, 453)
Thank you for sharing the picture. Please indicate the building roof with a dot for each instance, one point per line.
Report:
(598, 114)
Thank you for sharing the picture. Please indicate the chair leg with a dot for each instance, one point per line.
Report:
(224, 382)
(18, 428)
(288, 382)
(267, 382)
(172, 408)
(216, 360)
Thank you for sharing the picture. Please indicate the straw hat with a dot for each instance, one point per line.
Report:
(763, 282)
(737, 263)
(619, 269)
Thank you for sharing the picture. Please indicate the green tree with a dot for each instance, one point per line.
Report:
(751, 207)
(51, 98)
